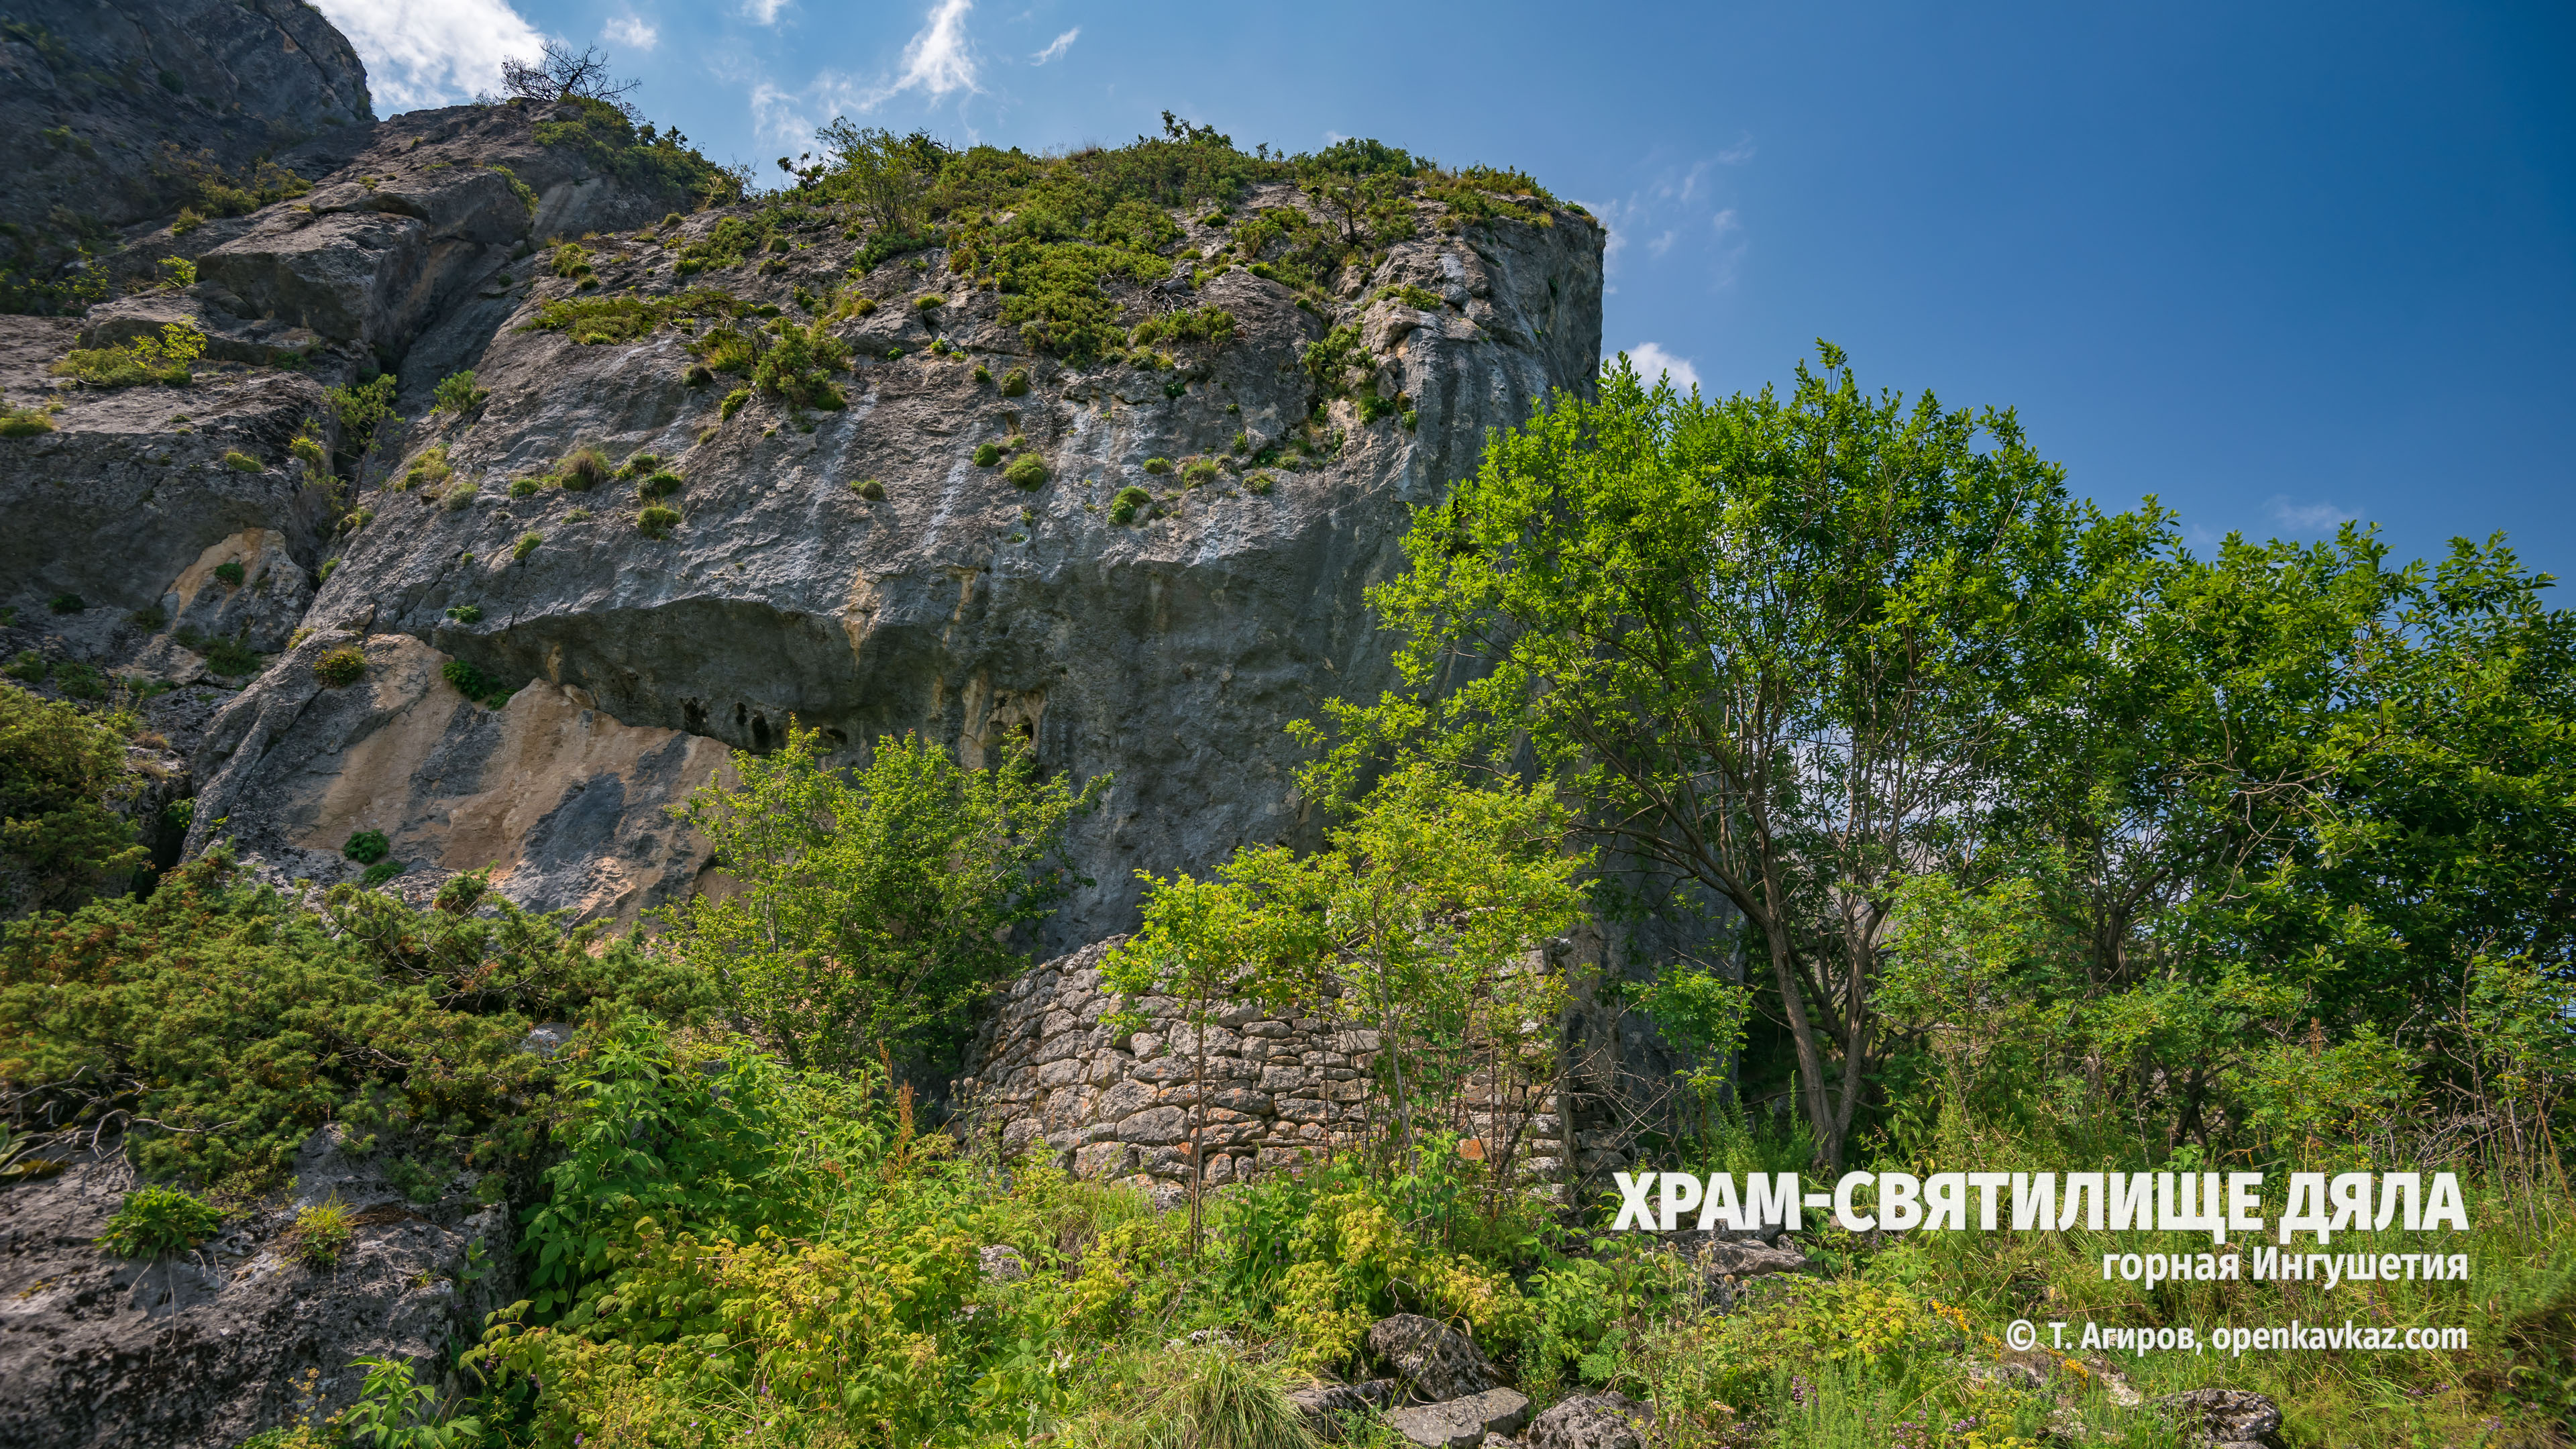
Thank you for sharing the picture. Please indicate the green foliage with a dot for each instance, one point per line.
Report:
(379, 873)
(1206, 1398)
(527, 194)
(1411, 296)
(870, 489)
(1188, 324)
(603, 135)
(657, 521)
(583, 469)
(570, 261)
(475, 685)
(987, 454)
(795, 367)
(1015, 383)
(595, 321)
(155, 1220)
(1199, 472)
(164, 359)
(1259, 483)
(361, 406)
(60, 769)
(66, 604)
(456, 393)
(526, 544)
(465, 613)
(231, 657)
(1027, 472)
(210, 189)
(320, 1233)
(1123, 508)
(308, 450)
(1340, 365)
(876, 906)
(366, 847)
(18, 422)
(1158, 466)
(660, 483)
(393, 1412)
(229, 573)
(178, 272)
(231, 1023)
(341, 667)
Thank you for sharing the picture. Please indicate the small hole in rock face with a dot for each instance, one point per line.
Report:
(759, 735)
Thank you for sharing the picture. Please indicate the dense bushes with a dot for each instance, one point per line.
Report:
(220, 1024)
(59, 771)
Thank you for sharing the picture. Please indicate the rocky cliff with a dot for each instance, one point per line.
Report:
(853, 570)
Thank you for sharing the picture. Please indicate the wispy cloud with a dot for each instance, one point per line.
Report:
(432, 52)
(1665, 216)
(763, 12)
(937, 59)
(1057, 46)
(778, 115)
(631, 30)
(1653, 361)
(2317, 517)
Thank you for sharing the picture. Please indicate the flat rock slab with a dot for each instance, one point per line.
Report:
(1434, 1360)
(2225, 1418)
(1462, 1423)
(1592, 1421)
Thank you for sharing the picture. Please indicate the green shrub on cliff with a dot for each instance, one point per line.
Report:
(60, 770)
(156, 1220)
(229, 1022)
(163, 359)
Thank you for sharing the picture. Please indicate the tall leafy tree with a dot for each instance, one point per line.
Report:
(1769, 640)
(874, 907)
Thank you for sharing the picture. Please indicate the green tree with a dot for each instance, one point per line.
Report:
(1767, 640)
(887, 176)
(873, 908)
(59, 769)
(1209, 945)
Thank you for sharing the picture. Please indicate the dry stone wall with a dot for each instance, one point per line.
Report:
(1048, 1070)
(1051, 1071)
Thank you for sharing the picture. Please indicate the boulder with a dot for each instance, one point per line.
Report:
(1592, 1421)
(211, 1346)
(1431, 1360)
(1327, 1407)
(1002, 1263)
(1461, 1423)
(2225, 1418)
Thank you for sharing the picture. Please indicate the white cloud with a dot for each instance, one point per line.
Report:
(2318, 517)
(1057, 46)
(1737, 154)
(432, 52)
(631, 30)
(937, 59)
(781, 116)
(1652, 361)
(763, 12)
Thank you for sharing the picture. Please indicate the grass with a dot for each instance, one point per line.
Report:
(1199, 472)
(657, 521)
(231, 657)
(1158, 466)
(527, 544)
(155, 1220)
(339, 668)
(164, 359)
(18, 422)
(229, 573)
(321, 1234)
(1027, 472)
(583, 469)
(241, 462)
(1124, 507)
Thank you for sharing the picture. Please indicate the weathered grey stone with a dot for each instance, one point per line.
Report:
(1461, 1423)
(1432, 1360)
(1592, 1421)
(211, 1346)
(1327, 1407)
(2227, 1418)
(1002, 1263)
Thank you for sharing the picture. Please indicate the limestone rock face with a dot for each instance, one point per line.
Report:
(1167, 652)
(1466, 1422)
(210, 1346)
(1432, 1360)
(1592, 1421)
(133, 90)
(565, 802)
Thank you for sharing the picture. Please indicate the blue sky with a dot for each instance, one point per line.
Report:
(2277, 264)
